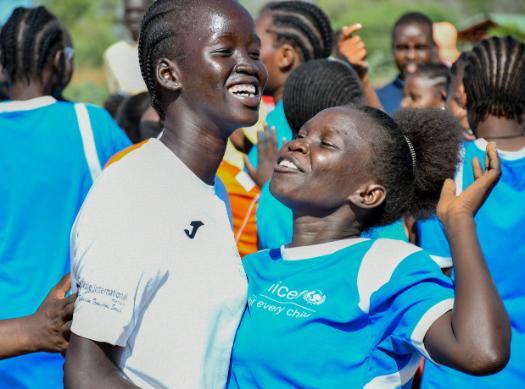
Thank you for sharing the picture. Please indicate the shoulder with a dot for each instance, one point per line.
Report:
(387, 261)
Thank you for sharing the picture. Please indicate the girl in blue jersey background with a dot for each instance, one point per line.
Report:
(494, 81)
(336, 310)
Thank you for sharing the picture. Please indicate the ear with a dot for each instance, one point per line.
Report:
(167, 74)
(287, 57)
(368, 196)
(57, 59)
(443, 95)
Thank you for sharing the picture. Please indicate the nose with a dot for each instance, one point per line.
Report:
(299, 145)
(405, 103)
(411, 54)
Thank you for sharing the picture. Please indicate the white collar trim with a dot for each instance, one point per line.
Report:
(318, 250)
(27, 105)
(481, 144)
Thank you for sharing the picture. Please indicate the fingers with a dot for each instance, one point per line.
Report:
(492, 157)
(349, 30)
(249, 167)
(476, 168)
(448, 194)
(63, 286)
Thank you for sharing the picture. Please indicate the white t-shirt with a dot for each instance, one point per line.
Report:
(158, 273)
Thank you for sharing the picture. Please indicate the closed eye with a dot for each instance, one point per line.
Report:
(225, 52)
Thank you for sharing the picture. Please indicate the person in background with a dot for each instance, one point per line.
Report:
(51, 151)
(456, 97)
(121, 61)
(412, 46)
(427, 87)
(494, 81)
(129, 115)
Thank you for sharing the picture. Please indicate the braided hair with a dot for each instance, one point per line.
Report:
(317, 85)
(303, 25)
(437, 72)
(158, 36)
(412, 155)
(494, 79)
(29, 42)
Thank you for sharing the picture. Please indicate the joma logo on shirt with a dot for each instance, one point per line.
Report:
(313, 297)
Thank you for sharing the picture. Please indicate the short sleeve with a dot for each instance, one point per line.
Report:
(116, 268)
(405, 307)
(433, 240)
(109, 137)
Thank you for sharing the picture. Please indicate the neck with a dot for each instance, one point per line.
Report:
(26, 91)
(200, 148)
(309, 230)
(508, 134)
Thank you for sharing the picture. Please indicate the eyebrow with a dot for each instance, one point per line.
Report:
(230, 35)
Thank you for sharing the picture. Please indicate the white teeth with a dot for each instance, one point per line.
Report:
(288, 164)
(243, 90)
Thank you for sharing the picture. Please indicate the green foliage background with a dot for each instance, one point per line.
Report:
(95, 24)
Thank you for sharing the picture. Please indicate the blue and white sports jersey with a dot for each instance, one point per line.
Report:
(275, 223)
(345, 314)
(500, 224)
(45, 177)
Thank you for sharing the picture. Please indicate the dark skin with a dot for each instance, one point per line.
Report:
(201, 113)
(48, 329)
(457, 100)
(413, 45)
(134, 11)
(422, 92)
(328, 200)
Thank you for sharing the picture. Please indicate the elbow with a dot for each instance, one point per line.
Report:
(489, 361)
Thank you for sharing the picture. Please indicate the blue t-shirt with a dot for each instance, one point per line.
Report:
(345, 314)
(45, 178)
(500, 224)
(276, 119)
(275, 223)
(391, 95)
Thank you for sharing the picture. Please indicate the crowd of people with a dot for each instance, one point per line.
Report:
(248, 211)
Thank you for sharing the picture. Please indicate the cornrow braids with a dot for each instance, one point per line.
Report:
(317, 85)
(494, 79)
(29, 41)
(437, 72)
(303, 25)
(158, 36)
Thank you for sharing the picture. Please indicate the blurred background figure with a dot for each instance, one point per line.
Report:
(446, 37)
(427, 87)
(412, 46)
(121, 61)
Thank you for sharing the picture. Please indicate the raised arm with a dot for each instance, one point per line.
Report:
(475, 336)
(91, 364)
(45, 330)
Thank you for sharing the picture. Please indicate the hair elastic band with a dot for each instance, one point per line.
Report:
(412, 154)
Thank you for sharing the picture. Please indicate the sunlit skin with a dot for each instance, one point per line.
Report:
(422, 92)
(413, 45)
(324, 177)
(201, 112)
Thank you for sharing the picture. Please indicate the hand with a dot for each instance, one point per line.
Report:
(468, 202)
(353, 48)
(49, 327)
(267, 154)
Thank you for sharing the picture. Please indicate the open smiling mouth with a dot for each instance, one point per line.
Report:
(248, 94)
(286, 165)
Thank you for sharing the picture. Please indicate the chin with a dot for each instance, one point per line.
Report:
(280, 189)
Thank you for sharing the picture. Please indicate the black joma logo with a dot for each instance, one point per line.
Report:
(195, 226)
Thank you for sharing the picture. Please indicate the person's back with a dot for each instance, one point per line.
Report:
(494, 86)
(48, 153)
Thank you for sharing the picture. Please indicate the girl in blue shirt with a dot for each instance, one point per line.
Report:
(336, 310)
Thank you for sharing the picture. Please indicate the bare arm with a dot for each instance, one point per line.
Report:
(45, 330)
(475, 336)
(91, 364)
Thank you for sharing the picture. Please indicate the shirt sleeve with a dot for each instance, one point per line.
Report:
(116, 267)
(405, 307)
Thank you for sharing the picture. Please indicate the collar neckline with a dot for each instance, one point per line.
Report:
(27, 105)
(481, 144)
(317, 250)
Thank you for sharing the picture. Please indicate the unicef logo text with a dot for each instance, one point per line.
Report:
(312, 297)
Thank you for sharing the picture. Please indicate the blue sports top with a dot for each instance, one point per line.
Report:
(346, 314)
(275, 223)
(500, 224)
(45, 178)
(391, 95)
